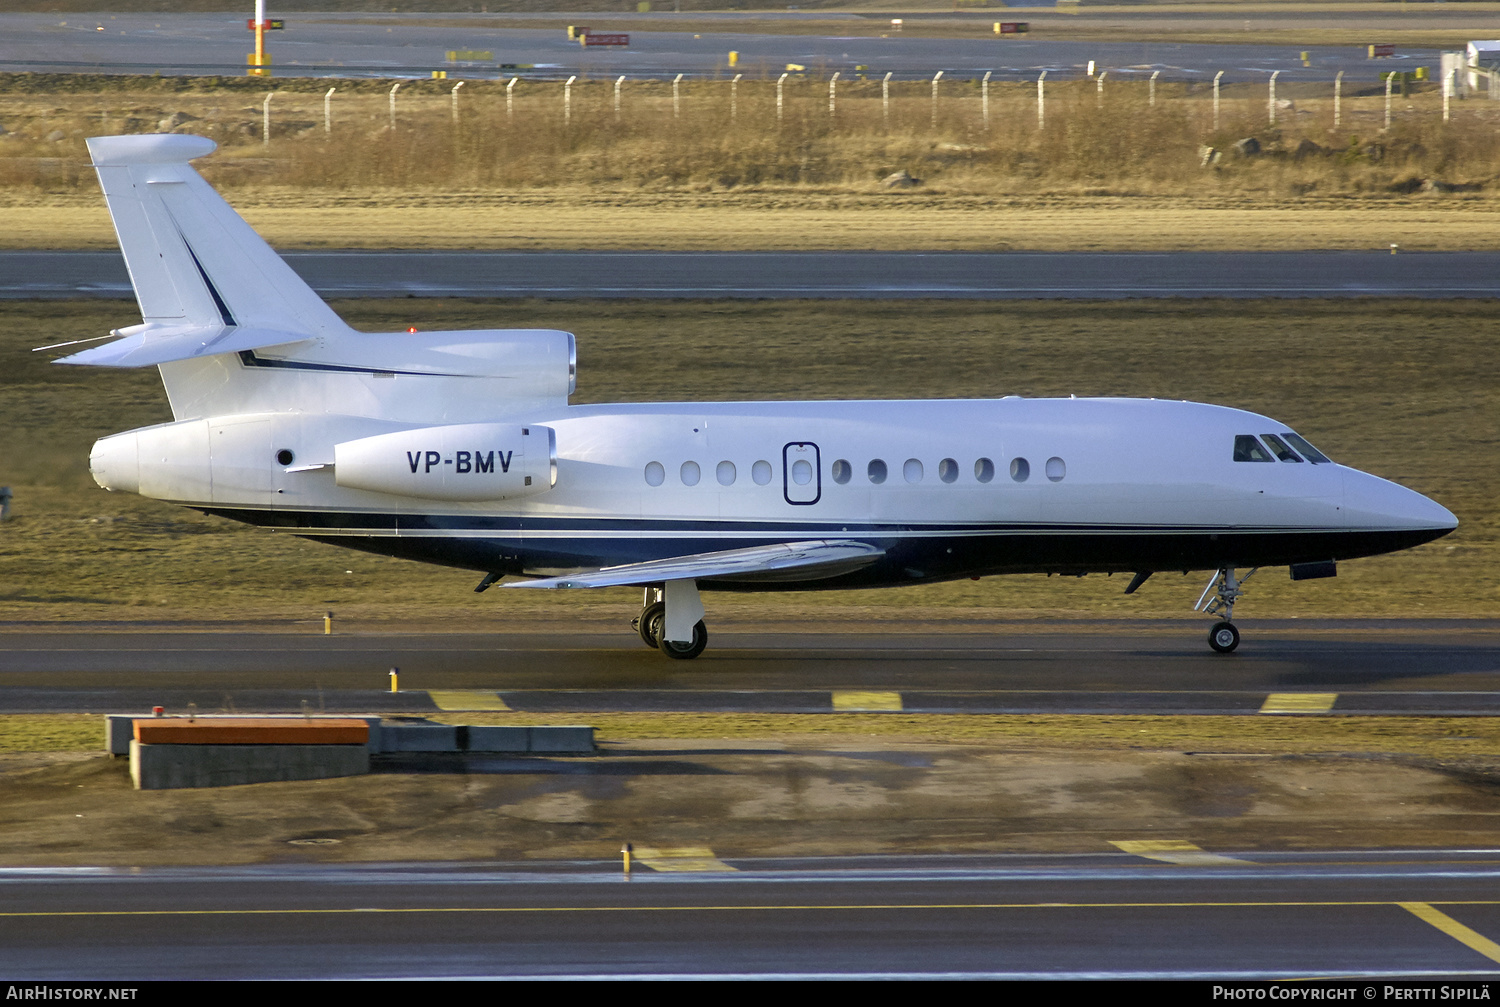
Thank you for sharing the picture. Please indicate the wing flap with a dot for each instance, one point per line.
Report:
(784, 562)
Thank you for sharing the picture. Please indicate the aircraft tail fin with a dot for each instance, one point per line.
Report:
(194, 262)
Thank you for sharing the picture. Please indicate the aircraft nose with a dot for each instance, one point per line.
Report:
(1376, 503)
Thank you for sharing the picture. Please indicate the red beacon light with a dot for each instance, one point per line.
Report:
(411, 328)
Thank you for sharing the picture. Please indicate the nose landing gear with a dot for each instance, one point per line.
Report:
(1226, 589)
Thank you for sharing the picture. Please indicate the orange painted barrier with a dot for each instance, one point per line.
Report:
(251, 731)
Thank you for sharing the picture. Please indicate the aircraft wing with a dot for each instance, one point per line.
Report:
(784, 562)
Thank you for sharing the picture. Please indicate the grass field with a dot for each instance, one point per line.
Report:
(1409, 390)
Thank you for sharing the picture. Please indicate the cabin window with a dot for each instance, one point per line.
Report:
(842, 472)
(1279, 449)
(761, 473)
(984, 470)
(1309, 452)
(1248, 449)
(912, 471)
(802, 472)
(948, 470)
(876, 471)
(656, 474)
(1020, 469)
(1056, 469)
(691, 473)
(725, 473)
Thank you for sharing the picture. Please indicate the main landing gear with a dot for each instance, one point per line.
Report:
(651, 624)
(1226, 589)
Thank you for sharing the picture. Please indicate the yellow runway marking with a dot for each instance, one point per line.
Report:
(845, 907)
(680, 858)
(1299, 702)
(454, 700)
(851, 701)
(1448, 925)
(1174, 851)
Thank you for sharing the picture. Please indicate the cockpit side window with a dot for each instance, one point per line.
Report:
(1248, 449)
(1309, 452)
(1279, 449)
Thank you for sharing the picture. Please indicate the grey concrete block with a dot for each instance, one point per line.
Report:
(419, 738)
(166, 767)
(563, 740)
(499, 739)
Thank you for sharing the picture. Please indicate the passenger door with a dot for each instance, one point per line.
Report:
(801, 473)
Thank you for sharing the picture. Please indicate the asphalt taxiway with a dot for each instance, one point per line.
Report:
(1350, 667)
(394, 46)
(1351, 916)
(975, 275)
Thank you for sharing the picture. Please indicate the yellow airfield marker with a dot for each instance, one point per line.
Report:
(679, 858)
(1299, 702)
(1174, 851)
(852, 701)
(455, 700)
(1448, 925)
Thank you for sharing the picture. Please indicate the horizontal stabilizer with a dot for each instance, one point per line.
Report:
(785, 562)
(149, 345)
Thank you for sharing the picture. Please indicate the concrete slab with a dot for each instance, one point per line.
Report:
(171, 767)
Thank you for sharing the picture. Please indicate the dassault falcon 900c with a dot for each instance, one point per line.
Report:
(461, 448)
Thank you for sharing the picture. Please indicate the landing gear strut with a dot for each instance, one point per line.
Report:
(1226, 589)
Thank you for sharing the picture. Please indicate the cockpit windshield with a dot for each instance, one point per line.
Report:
(1279, 449)
(1309, 452)
(1248, 449)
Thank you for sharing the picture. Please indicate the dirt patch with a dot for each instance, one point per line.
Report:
(794, 797)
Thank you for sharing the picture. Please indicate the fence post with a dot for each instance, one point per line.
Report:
(454, 95)
(780, 81)
(1338, 97)
(1099, 89)
(394, 88)
(328, 111)
(1271, 100)
(935, 78)
(1448, 82)
(734, 96)
(676, 105)
(1216, 99)
(265, 120)
(510, 97)
(984, 98)
(1151, 88)
(885, 101)
(1388, 100)
(1041, 100)
(833, 92)
(619, 83)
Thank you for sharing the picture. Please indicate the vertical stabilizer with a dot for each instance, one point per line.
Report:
(193, 260)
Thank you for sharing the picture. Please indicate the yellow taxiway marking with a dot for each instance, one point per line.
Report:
(1174, 851)
(680, 858)
(456, 699)
(759, 907)
(851, 700)
(1448, 925)
(1299, 702)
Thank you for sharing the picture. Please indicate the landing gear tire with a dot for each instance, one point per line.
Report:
(681, 651)
(646, 624)
(1223, 638)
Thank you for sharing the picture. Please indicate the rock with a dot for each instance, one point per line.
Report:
(1208, 156)
(1308, 148)
(900, 180)
(1248, 147)
(174, 120)
(57, 135)
(1434, 185)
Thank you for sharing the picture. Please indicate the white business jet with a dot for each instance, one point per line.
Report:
(460, 448)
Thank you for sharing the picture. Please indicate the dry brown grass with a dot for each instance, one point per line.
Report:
(1115, 142)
